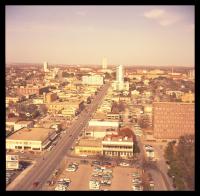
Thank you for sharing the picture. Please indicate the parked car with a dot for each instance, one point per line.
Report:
(123, 164)
(71, 169)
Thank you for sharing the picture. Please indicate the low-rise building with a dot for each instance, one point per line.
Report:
(100, 131)
(35, 139)
(20, 124)
(177, 93)
(104, 123)
(92, 80)
(29, 90)
(188, 97)
(118, 146)
(113, 116)
(38, 101)
(88, 146)
(50, 97)
(12, 162)
(69, 112)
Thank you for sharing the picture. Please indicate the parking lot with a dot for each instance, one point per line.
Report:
(121, 178)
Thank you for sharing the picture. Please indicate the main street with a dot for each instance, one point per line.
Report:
(47, 164)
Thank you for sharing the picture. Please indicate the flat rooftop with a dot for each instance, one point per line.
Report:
(35, 134)
(90, 142)
(24, 122)
(99, 129)
(117, 138)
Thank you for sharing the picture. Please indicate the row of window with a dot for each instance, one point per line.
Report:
(118, 147)
(88, 151)
(111, 153)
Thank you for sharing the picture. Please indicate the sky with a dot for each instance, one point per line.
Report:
(128, 35)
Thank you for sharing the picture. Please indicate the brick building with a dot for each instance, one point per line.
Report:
(30, 90)
(172, 119)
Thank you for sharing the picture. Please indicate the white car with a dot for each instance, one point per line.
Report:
(71, 169)
(124, 164)
(136, 181)
(60, 188)
(137, 188)
(67, 180)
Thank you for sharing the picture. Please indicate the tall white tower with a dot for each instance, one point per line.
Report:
(45, 65)
(104, 63)
(120, 74)
(119, 78)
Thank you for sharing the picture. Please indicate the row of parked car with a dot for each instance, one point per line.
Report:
(151, 181)
(137, 182)
(63, 184)
(101, 176)
(9, 175)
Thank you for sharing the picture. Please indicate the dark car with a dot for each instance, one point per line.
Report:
(84, 161)
(107, 163)
(96, 163)
(35, 184)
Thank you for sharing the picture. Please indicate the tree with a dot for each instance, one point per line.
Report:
(136, 148)
(144, 121)
(121, 106)
(88, 100)
(181, 160)
(169, 152)
(81, 106)
(108, 76)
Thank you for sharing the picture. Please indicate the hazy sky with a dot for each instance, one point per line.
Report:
(136, 35)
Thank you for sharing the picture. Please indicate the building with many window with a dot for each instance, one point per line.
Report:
(117, 146)
(88, 146)
(92, 80)
(35, 139)
(30, 90)
(172, 119)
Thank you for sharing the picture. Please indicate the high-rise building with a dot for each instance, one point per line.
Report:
(191, 74)
(45, 65)
(172, 119)
(119, 78)
(104, 63)
(120, 74)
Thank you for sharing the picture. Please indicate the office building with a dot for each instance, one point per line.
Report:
(191, 74)
(172, 119)
(104, 63)
(119, 84)
(30, 90)
(120, 74)
(45, 66)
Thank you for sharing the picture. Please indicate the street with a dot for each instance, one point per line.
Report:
(44, 167)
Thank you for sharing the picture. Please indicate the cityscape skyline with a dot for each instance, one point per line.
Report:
(128, 35)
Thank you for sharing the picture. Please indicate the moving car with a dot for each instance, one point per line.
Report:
(35, 184)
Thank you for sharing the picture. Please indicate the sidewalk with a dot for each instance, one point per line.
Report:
(19, 177)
